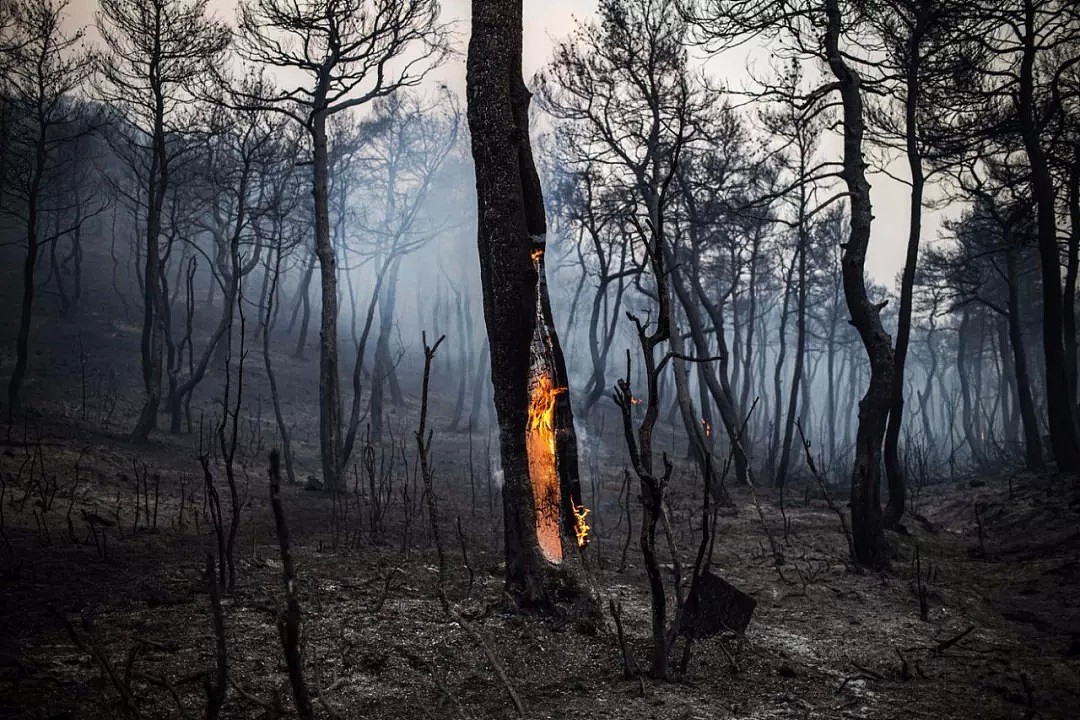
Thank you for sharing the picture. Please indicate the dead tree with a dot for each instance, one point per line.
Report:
(823, 29)
(48, 70)
(652, 486)
(277, 232)
(544, 527)
(349, 52)
(408, 139)
(1041, 27)
(242, 165)
(635, 57)
(154, 51)
(866, 516)
(915, 35)
(655, 174)
(228, 435)
(798, 125)
(289, 621)
(427, 472)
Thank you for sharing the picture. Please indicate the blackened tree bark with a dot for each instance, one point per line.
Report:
(1028, 418)
(915, 19)
(351, 53)
(48, 70)
(866, 516)
(153, 51)
(798, 370)
(384, 364)
(1072, 270)
(330, 445)
(267, 319)
(303, 301)
(1061, 410)
(479, 388)
(963, 373)
(511, 227)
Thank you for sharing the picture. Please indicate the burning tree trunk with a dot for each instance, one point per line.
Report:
(545, 528)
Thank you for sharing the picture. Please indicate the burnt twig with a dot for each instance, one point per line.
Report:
(289, 622)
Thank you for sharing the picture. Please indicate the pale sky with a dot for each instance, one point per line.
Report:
(550, 20)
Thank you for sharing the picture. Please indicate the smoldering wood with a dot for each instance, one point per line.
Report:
(512, 226)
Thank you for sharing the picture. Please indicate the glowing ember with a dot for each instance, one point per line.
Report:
(540, 443)
(635, 401)
(708, 427)
(580, 526)
(537, 254)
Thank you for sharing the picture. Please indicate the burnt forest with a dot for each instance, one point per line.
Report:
(539, 359)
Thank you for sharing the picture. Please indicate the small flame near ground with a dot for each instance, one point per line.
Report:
(708, 427)
(580, 526)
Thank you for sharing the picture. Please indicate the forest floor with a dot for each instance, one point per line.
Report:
(999, 558)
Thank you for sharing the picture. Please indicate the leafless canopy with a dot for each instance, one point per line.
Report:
(347, 52)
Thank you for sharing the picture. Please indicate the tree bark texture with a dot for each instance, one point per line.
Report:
(511, 241)
(866, 516)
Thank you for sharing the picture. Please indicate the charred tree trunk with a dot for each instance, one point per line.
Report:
(232, 272)
(22, 342)
(894, 470)
(271, 378)
(1072, 270)
(928, 387)
(511, 241)
(778, 374)
(329, 391)
(751, 319)
(151, 330)
(1028, 419)
(1008, 391)
(384, 373)
(1061, 409)
(302, 308)
(465, 337)
(390, 295)
(479, 393)
(706, 404)
(866, 519)
(962, 373)
(358, 364)
(720, 391)
(797, 371)
(830, 401)
(7, 107)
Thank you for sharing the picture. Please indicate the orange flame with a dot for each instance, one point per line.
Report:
(707, 426)
(543, 463)
(543, 472)
(580, 526)
(540, 443)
